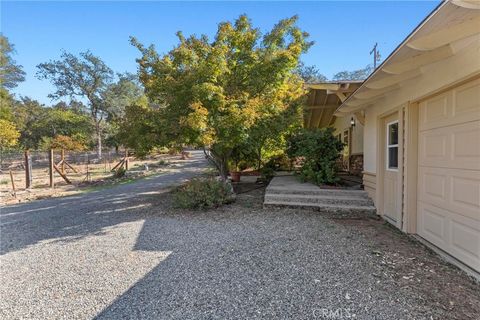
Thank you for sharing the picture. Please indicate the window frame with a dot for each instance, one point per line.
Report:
(389, 146)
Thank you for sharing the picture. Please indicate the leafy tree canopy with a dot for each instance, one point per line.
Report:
(310, 74)
(85, 76)
(36, 122)
(10, 72)
(8, 135)
(211, 93)
(118, 95)
(360, 74)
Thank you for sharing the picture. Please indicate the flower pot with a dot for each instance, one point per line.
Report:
(235, 176)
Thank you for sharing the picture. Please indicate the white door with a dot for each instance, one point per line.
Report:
(448, 208)
(391, 202)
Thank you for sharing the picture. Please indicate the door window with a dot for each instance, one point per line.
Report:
(392, 145)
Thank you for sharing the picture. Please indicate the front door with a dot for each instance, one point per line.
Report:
(391, 201)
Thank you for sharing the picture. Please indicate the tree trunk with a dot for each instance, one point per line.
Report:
(259, 163)
(99, 139)
(219, 162)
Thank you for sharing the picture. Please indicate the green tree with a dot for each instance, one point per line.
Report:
(117, 97)
(360, 74)
(310, 74)
(141, 128)
(86, 76)
(212, 93)
(10, 75)
(8, 135)
(37, 122)
(10, 72)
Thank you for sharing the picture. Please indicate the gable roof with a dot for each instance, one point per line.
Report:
(451, 26)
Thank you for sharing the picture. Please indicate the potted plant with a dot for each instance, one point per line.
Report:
(235, 171)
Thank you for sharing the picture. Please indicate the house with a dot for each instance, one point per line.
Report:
(421, 132)
(322, 101)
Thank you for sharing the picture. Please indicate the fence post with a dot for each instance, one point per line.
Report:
(28, 170)
(13, 184)
(63, 161)
(126, 159)
(50, 168)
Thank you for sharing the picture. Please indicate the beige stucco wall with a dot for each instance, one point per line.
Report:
(343, 123)
(435, 78)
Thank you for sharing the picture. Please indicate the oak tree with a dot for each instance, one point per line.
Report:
(85, 76)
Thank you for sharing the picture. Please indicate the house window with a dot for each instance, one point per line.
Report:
(345, 137)
(392, 145)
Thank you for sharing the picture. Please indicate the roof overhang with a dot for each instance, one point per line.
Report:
(323, 99)
(452, 26)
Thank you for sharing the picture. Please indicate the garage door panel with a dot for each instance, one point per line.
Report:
(453, 107)
(466, 142)
(453, 189)
(451, 147)
(433, 225)
(466, 102)
(436, 110)
(448, 208)
(465, 193)
(465, 239)
(433, 184)
(455, 234)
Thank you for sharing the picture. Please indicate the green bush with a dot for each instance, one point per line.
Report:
(120, 172)
(279, 162)
(203, 194)
(267, 172)
(320, 150)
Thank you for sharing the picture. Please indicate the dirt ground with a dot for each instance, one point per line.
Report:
(407, 264)
(99, 175)
(414, 267)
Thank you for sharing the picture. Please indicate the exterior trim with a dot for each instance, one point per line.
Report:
(370, 184)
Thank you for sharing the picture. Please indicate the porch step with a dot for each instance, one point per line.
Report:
(335, 199)
(317, 191)
(292, 193)
(331, 208)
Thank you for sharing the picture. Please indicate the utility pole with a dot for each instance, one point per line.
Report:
(376, 55)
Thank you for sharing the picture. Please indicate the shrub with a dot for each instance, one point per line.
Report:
(63, 142)
(320, 150)
(279, 162)
(267, 173)
(120, 173)
(203, 194)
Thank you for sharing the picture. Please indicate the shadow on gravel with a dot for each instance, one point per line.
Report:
(75, 217)
(242, 262)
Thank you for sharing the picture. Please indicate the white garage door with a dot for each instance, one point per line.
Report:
(448, 213)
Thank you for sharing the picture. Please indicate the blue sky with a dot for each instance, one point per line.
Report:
(344, 32)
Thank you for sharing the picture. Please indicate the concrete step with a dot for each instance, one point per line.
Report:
(317, 191)
(331, 208)
(339, 199)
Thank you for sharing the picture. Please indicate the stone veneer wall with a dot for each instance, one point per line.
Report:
(356, 164)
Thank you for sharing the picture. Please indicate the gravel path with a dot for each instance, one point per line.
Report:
(123, 253)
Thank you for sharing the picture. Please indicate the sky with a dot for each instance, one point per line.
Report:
(344, 32)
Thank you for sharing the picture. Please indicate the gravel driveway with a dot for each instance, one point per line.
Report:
(123, 253)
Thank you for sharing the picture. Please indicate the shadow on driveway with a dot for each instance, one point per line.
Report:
(74, 217)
